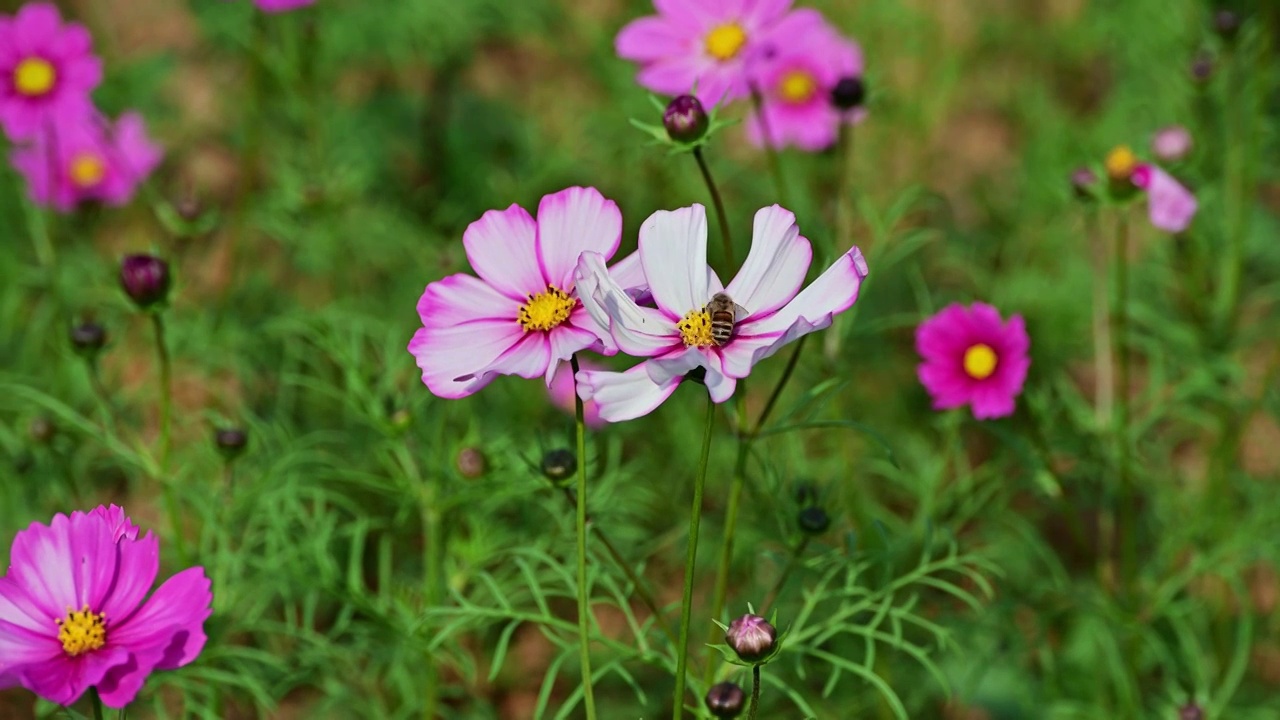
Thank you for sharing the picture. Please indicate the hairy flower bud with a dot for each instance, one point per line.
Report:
(1082, 182)
(145, 279)
(726, 700)
(685, 119)
(813, 520)
(751, 637)
(559, 465)
(42, 430)
(1202, 67)
(88, 338)
(471, 463)
(1227, 24)
(848, 93)
(1190, 711)
(230, 442)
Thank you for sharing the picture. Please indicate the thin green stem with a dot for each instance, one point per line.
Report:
(755, 692)
(250, 157)
(771, 152)
(844, 230)
(641, 589)
(686, 604)
(41, 240)
(792, 561)
(1103, 359)
(584, 635)
(1126, 514)
(726, 549)
(96, 701)
(772, 402)
(166, 410)
(433, 573)
(100, 391)
(721, 217)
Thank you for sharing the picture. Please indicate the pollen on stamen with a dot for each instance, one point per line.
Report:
(695, 329)
(82, 631)
(546, 310)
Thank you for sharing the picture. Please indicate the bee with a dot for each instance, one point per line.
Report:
(724, 312)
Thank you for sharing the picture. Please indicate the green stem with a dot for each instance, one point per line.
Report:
(721, 216)
(166, 409)
(100, 391)
(771, 152)
(772, 402)
(431, 593)
(726, 549)
(792, 561)
(1103, 360)
(686, 604)
(1126, 514)
(755, 692)
(844, 230)
(38, 226)
(584, 636)
(96, 701)
(641, 589)
(249, 159)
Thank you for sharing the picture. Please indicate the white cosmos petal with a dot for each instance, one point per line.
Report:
(775, 267)
(571, 222)
(675, 364)
(638, 331)
(673, 250)
(834, 291)
(625, 395)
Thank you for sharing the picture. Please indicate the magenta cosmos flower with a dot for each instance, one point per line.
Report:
(678, 335)
(972, 357)
(47, 70)
(91, 160)
(74, 612)
(701, 42)
(796, 75)
(522, 315)
(1170, 206)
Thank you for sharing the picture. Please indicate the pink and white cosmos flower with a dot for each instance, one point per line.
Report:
(47, 70)
(796, 76)
(521, 316)
(74, 611)
(676, 335)
(701, 42)
(88, 159)
(1170, 206)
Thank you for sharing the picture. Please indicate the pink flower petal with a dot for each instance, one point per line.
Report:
(138, 562)
(652, 38)
(64, 680)
(625, 395)
(564, 341)
(562, 392)
(172, 620)
(775, 267)
(673, 250)
(629, 274)
(453, 358)
(834, 291)
(69, 563)
(571, 222)
(528, 357)
(1170, 206)
(636, 330)
(121, 525)
(502, 248)
(462, 298)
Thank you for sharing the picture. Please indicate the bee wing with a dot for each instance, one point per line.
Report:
(739, 312)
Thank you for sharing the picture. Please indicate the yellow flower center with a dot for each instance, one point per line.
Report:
(34, 77)
(87, 169)
(82, 632)
(797, 86)
(546, 310)
(695, 329)
(980, 361)
(725, 41)
(1120, 163)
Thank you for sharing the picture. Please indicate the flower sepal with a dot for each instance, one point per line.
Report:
(662, 137)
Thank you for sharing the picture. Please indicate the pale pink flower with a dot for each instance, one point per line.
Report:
(972, 357)
(796, 75)
(1170, 206)
(1171, 144)
(74, 611)
(561, 391)
(676, 335)
(88, 159)
(47, 70)
(521, 316)
(701, 42)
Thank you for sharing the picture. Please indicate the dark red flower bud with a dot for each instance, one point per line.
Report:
(814, 520)
(230, 442)
(685, 119)
(726, 700)
(848, 93)
(88, 338)
(145, 279)
(751, 637)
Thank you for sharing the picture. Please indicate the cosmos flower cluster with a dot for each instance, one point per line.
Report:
(806, 77)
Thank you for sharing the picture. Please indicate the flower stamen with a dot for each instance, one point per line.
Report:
(546, 309)
(980, 361)
(87, 169)
(83, 631)
(695, 329)
(1120, 163)
(797, 86)
(725, 41)
(34, 77)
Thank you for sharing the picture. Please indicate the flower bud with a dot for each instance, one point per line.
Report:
(726, 700)
(41, 430)
(848, 93)
(1190, 711)
(1171, 144)
(230, 442)
(1082, 182)
(145, 279)
(1202, 67)
(685, 120)
(88, 338)
(471, 463)
(751, 637)
(188, 206)
(1227, 24)
(559, 465)
(813, 520)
